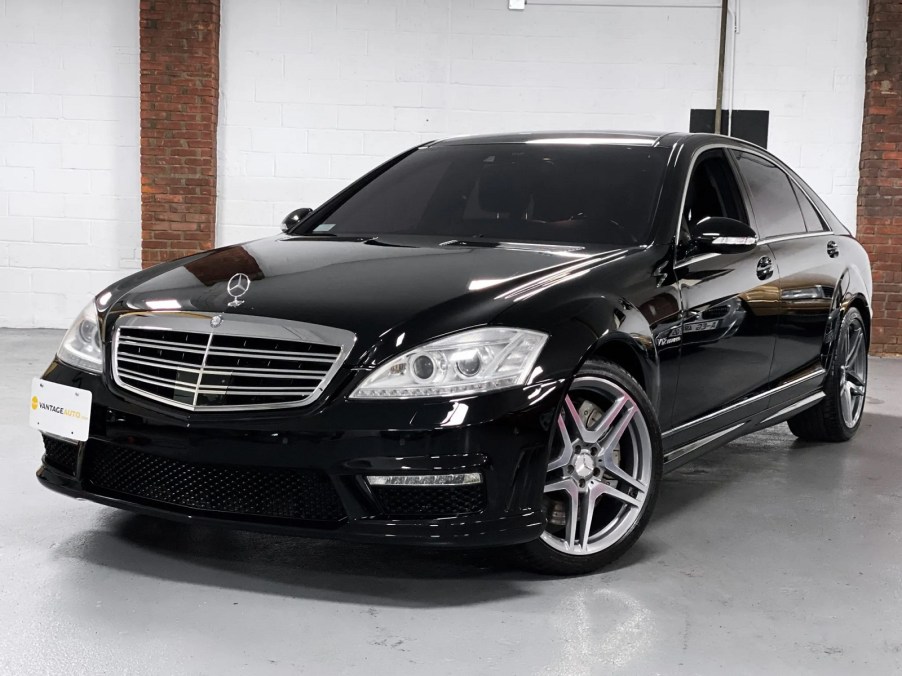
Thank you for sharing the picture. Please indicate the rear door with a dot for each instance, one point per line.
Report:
(809, 261)
(729, 323)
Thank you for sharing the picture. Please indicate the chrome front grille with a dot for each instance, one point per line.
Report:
(243, 363)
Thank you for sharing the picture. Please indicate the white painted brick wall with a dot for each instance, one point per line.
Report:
(315, 92)
(69, 167)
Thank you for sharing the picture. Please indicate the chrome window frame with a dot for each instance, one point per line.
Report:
(248, 326)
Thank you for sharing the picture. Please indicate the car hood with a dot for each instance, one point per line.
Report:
(365, 285)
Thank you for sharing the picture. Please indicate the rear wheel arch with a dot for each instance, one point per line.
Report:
(851, 291)
(837, 416)
(851, 300)
(861, 304)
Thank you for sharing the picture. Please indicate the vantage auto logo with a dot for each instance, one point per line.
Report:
(68, 412)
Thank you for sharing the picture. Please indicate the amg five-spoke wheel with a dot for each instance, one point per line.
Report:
(602, 475)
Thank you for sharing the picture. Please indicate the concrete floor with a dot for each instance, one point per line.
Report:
(767, 556)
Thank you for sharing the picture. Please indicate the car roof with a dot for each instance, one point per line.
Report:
(588, 137)
(633, 138)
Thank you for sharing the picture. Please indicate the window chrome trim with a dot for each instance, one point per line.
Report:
(745, 402)
(801, 235)
(233, 325)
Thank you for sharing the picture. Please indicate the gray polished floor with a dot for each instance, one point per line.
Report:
(767, 556)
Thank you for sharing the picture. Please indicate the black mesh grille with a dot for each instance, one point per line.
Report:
(60, 454)
(231, 489)
(430, 500)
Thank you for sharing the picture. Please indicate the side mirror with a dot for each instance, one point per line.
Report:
(295, 217)
(716, 234)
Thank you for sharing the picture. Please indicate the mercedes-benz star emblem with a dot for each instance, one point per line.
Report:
(237, 287)
(216, 321)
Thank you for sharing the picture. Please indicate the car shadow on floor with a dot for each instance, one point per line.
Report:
(379, 575)
(392, 575)
(296, 567)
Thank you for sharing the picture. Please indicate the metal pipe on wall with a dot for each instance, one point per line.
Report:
(735, 12)
(721, 58)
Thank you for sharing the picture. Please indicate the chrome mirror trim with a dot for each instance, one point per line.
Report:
(735, 241)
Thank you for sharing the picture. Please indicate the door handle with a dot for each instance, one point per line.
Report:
(832, 249)
(765, 267)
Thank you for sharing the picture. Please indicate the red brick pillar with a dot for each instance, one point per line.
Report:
(880, 186)
(179, 108)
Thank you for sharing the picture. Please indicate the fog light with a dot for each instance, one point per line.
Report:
(464, 479)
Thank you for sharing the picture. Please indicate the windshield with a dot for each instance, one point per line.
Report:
(514, 192)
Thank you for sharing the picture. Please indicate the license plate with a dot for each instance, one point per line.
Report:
(60, 410)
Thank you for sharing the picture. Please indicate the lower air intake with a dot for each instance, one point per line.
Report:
(300, 495)
(60, 454)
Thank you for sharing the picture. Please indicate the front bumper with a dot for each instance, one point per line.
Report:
(216, 461)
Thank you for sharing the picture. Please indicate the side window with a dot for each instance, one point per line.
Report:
(813, 221)
(712, 191)
(772, 197)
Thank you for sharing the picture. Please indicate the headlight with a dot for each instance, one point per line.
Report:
(81, 346)
(479, 360)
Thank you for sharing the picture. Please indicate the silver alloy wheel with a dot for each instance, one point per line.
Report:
(599, 470)
(853, 378)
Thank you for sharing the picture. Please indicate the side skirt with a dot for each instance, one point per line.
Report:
(767, 418)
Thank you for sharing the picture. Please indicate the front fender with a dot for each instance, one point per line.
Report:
(613, 312)
(601, 328)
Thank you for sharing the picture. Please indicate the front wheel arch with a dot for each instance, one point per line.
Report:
(628, 351)
(626, 356)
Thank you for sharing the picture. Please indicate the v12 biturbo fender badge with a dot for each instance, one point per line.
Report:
(237, 287)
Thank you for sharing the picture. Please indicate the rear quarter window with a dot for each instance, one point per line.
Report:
(813, 220)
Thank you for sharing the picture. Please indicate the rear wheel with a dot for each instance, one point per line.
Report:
(838, 415)
(602, 480)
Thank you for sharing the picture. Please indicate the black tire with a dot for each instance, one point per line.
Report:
(538, 555)
(825, 421)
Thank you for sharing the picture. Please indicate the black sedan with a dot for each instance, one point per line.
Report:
(497, 340)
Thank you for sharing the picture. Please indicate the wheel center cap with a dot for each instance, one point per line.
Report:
(584, 465)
